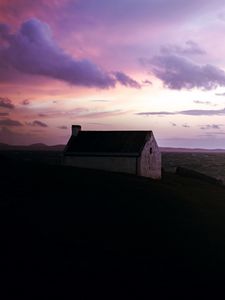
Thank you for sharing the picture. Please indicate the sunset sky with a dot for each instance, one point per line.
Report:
(113, 65)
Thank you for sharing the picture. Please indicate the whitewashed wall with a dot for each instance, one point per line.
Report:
(149, 164)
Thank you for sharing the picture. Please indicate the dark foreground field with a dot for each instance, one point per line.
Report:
(79, 234)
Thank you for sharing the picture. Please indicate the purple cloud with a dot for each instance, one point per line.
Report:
(32, 50)
(178, 72)
(190, 48)
(6, 103)
(126, 80)
(37, 123)
(191, 112)
(10, 122)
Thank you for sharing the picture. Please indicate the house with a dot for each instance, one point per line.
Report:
(133, 152)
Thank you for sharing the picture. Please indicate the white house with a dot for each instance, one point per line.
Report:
(133, 152)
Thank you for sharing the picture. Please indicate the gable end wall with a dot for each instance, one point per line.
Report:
(149, 164)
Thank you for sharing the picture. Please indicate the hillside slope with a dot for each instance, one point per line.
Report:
(84, 232)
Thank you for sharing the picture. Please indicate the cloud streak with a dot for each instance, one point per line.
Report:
(63, 127)
(33, 51)
(210, 126)
(37, 123)
(10, 122)
(81, 113)
(146, 82)
(208, 103)
(220, 94)
(203, 102)
(6, 103)
(26, 102)
(191, 112)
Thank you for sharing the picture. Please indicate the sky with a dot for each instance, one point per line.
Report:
(113, 65)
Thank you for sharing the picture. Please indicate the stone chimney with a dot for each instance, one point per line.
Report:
(76, 129)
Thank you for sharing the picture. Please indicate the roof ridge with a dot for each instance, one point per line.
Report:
(111, 141)
(116, 131)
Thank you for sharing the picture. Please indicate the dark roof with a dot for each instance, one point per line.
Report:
(119, 143)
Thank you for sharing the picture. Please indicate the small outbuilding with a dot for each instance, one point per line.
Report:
(133, 152)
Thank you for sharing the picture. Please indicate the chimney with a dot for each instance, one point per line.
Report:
(76, 129)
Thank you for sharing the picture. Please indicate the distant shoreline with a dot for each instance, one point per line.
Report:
(190, 150)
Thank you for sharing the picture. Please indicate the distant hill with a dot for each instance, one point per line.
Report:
(32, 147)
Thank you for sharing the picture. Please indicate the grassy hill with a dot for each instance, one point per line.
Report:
(86, 233)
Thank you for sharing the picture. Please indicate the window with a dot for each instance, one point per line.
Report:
(150, 150)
